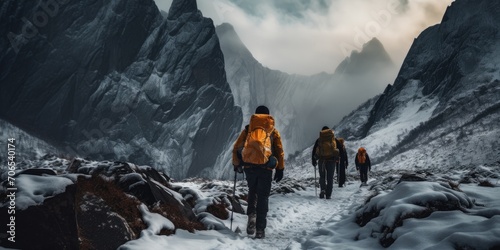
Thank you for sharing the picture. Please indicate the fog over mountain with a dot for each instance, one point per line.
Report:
(443, 108)
(277, 32)
(372, 57)
(303, 104)
(175, 98)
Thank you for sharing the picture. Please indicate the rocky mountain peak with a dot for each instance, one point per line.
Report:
(180, 7)
(372, 56)
(375, 47)
(233, 46)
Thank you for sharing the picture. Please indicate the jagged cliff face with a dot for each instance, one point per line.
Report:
(444, 106)
(114, 80)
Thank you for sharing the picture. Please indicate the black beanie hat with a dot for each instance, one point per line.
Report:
(262, 110)
(325, 127)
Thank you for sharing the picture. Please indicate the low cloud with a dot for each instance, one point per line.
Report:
(312, 36)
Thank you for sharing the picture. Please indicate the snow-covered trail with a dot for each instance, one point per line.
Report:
(292, 217)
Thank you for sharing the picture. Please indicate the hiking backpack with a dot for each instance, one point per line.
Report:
(361, 155)
(258, 144)
(327, 147)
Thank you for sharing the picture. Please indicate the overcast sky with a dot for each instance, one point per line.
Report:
(311, 36)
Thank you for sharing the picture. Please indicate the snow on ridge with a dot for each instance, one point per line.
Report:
(413, 110)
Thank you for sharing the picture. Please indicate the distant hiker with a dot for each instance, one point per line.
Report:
(328, 151)
(258, 150)
(342, 164)
(363, 165)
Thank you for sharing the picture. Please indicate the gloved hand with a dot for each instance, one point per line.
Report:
(273, 162)
(314, 163)
(278, 175)
(238, 168)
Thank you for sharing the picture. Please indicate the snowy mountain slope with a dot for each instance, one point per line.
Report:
(352, 124)
(114, 80)
(26, 145)
(443, 106)
(300, 104)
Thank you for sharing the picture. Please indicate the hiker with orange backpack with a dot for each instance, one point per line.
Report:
(363, 165)
(258, 151)
(326, 151)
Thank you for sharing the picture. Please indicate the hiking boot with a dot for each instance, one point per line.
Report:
(322, 194)
(251, 224)
(260, 234)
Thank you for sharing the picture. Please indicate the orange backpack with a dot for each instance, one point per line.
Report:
(361, 155)
(327, 147)
(258, 148)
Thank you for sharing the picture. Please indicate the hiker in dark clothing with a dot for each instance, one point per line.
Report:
(326, 152)
(259, 174)
(342, 164)
(363, 165)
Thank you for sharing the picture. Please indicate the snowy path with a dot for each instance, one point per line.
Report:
(292, 217)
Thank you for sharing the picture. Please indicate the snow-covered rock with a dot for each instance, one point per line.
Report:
(121, 201)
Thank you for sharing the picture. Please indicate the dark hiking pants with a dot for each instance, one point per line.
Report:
(363, 173)
(326, 171)
(259, 187)
(341, 174)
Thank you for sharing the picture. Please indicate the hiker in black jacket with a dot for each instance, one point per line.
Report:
(342, 164)
(326, 151)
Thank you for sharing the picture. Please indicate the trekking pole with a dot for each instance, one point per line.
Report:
(348, 175)
(315, 185)
(234, 197)
(338, 169)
